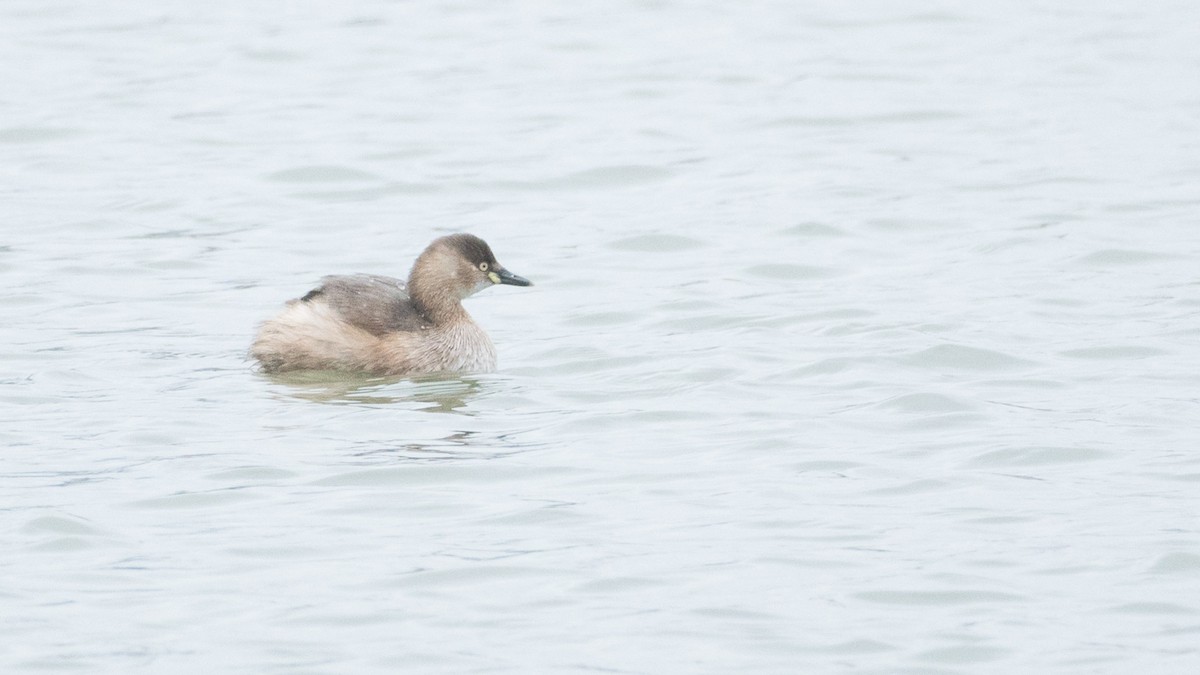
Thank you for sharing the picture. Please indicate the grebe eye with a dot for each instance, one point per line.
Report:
(483, 267)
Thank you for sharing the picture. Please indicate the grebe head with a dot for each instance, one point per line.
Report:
(457, 266)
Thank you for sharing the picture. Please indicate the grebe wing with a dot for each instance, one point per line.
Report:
(372, 302)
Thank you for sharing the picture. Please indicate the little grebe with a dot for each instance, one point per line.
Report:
(380, 325)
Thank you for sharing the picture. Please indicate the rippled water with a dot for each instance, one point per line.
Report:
(865, 338)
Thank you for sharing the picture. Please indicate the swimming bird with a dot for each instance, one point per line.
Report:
(384, 326)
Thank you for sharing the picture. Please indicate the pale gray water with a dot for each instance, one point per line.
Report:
(866, 338)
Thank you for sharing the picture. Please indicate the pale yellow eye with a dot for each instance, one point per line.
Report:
(483, 267)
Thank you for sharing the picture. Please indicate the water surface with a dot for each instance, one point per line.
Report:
(864, 338)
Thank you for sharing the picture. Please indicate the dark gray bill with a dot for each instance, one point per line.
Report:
(511, 279)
